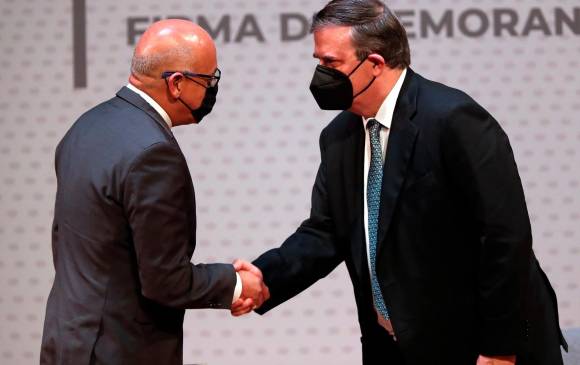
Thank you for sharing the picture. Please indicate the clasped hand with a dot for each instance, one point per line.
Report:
(254, 291)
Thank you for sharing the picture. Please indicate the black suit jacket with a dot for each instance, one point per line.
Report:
(454, 257)
(123, 236)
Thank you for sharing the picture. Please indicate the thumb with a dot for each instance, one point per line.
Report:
(247, 266)
(238, 264)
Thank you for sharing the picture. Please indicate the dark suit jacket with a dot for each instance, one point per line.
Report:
(123, 236)
(454, 257)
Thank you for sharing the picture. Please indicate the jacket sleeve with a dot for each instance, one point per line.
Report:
(306, 256)
(482, 169)
(155, 197)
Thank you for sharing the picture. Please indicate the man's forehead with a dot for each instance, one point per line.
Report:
(334, 33)
(332, 42)
(205, 63)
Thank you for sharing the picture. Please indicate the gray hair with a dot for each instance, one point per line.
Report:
(375, 29)
(151, 62)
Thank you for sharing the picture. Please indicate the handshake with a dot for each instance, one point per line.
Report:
(254, 291)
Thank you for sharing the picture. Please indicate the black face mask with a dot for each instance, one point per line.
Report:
(332, 89)
(206, 106)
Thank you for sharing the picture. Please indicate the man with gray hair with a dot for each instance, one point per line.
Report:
(419, 194)
(124, 220)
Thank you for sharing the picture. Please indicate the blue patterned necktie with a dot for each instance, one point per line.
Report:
(374, 183)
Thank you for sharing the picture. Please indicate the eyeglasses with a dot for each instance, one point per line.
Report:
(211, 80)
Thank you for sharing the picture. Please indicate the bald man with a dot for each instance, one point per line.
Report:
(124, 220)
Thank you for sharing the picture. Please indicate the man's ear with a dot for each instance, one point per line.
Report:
(378, 63)
(174, 84)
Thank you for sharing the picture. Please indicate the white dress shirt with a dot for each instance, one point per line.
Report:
(384, 117)
(151, 102)
(167, 119)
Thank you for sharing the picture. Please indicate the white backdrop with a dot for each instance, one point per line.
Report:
(254, 159)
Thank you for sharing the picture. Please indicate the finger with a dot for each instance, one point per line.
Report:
(237, 304)
(263, 295)
(245, 307)
(241, 312)
(258, 296)
(243, 302)
(482, 360)
(248, 302)
(239, 301)
(240, 264)
(247, 266)
(265, 292)
(258, 303)
(237, 264)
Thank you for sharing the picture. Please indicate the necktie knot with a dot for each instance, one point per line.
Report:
(373, 124)
(374, 128)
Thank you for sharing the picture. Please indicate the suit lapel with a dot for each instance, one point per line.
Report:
(399, 150)
(134, 99)
(353, 190)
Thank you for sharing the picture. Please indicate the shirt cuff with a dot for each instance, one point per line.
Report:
(238, 288)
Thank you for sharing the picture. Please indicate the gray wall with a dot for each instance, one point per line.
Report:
(254, 159)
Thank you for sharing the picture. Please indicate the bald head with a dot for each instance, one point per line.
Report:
(184, 48)
(173, 44)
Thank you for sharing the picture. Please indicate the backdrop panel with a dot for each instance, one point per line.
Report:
(254, 159)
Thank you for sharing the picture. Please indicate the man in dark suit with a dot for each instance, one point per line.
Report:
(419, 194)
(124, 220)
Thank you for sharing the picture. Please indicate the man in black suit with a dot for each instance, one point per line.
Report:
(419, 194)
(124, 220)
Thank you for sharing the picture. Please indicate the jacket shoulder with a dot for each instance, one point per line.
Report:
(341, 127)
(110, 138)
(439, 100)
(120, 125)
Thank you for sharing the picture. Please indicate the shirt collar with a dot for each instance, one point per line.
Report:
(153, 104)
(387, 109)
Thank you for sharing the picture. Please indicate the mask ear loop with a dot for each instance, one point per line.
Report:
(368, 85)
(181, 101)
(357, 66)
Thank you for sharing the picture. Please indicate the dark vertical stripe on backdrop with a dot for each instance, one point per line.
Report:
(79, 44)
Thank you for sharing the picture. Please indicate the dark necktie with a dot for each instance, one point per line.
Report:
(374, 183)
